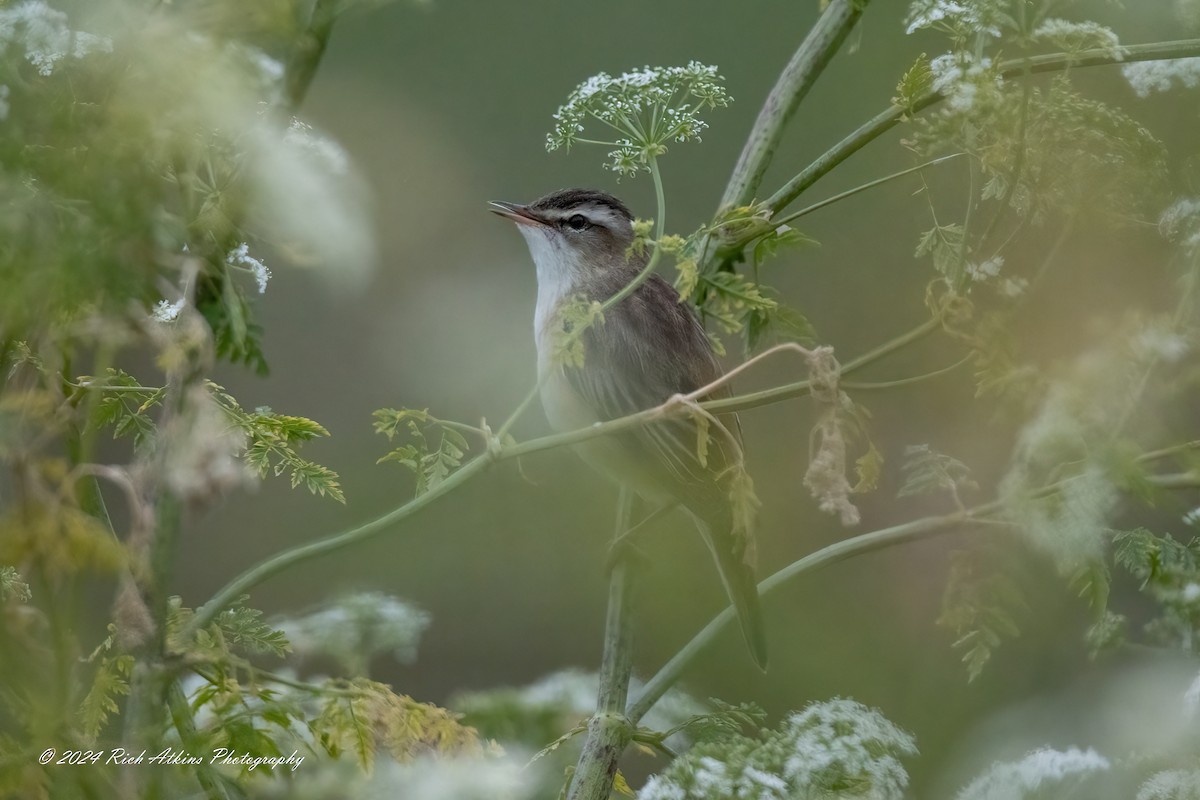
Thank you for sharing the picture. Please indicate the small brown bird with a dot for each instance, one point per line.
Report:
(649, 348)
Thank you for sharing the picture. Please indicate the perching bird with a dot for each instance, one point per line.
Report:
(649, 347)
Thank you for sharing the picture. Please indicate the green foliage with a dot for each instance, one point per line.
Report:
(980, 607)
(272, 441)
(110, 682)
(574, 316)
(124, 404)
(12, 587)
(435, 449)
(927, 472)
(945, 245)
(369, 717)
(1169, 574)
(914, 85)
(237, 629)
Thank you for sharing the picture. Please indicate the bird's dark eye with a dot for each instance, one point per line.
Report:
(577, 222)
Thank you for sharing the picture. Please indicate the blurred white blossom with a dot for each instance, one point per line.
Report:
(960, 76)
(1191, 698)
(1043, 769)
(43, 34)
(1159, 341)
(986, 270)
(357, 627)
(451, 779)
(1147, 77)
(328, 152)
(1174, 784)
(205, 451)
(835, 748)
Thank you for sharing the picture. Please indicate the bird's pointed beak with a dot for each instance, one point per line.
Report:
(514, 211)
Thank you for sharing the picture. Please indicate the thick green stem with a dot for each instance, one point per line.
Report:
(608, 730)
(307, 53)
(797, 78)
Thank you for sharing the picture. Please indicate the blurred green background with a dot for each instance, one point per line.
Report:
(445, 106)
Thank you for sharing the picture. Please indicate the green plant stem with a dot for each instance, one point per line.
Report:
(793, 85)
(609, 732)
(281, 561)
(856, 190)
(885, 121)
(871, 542)
(181, 714)
(307, 53)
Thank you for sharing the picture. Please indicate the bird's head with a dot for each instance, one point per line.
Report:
(572, 233)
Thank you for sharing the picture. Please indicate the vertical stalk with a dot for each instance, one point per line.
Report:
(797, 78)
(609, 729)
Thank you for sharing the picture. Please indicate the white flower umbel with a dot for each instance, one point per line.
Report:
(1173, 784)
(1191, 698)
(43, 34)
(451, 779)
(960, 76)
(1054, 771)
(1073, 37)
(1158, 341)
(956, 17)
(1147, 77)
(646, 108)
(358, 626)
(831, 749)
(167, 312)
(240, 257)
(987, 270)
(326, 151)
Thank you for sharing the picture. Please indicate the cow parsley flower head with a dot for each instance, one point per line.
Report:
(1160, 342)
(839, 746)
(958, 18)
(167, 312)
(240, 257)
(357, 627)
(985, 271)
(43, 34)
(1147, 77)
(1074, 37)
(1172, 784)
(961, 77)
(328, 153)
(1043, 769)
(648, 107)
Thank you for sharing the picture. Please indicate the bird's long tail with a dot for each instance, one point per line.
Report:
(742, 587)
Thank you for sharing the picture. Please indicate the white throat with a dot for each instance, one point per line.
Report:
(559, 276)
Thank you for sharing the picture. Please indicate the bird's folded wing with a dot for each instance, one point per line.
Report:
(649, 348)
